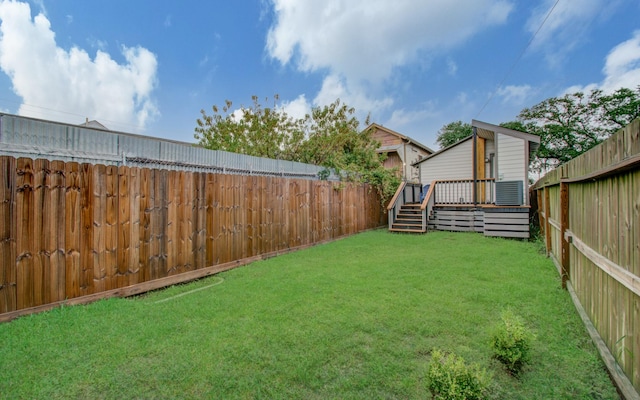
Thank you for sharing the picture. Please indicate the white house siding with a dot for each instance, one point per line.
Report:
(455, 163)
(511, 160)
(413, 154)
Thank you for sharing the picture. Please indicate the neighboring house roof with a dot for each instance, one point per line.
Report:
(401, 136)
(488, 131)
(94, 124)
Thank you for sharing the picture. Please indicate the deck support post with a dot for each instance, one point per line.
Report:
(475, 165)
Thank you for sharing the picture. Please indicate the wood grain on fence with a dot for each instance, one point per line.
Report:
(602, 238)
(69, 230)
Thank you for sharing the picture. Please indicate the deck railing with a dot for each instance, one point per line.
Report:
(461, 191)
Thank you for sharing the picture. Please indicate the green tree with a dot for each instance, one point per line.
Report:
(329, 136)
(255, 130)
(335, 141)
(453, 132)
(574, 123)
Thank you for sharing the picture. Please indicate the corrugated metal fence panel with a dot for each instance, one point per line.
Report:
(24, 137)
(89, 141)
(134, 147)
(28, 137)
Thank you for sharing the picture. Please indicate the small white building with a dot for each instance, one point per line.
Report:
(479, 183)
(491, 153)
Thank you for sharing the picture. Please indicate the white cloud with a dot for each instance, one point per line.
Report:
(237, 115)
(402, 118)
(361, 47)
(621, 68)
(333, 87)
(366, 39)
(297, 108)
(49, 78)
(515, 94)
(566, 27)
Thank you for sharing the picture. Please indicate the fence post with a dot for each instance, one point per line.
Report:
(547, 216)
(564, 225)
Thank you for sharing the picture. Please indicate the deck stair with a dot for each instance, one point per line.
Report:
(409, 219)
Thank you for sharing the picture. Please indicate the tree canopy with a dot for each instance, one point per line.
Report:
(574, 123)
(329, 136)
(453, 132)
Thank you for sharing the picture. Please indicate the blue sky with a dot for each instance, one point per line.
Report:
(149, 67)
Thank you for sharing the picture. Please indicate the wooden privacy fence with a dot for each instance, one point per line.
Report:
(82, 231)
(589, 211)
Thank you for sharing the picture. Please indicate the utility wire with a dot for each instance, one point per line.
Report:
(513, 66)
(51, 113)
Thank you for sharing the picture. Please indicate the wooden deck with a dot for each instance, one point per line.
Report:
(414, 210)
(491, 220)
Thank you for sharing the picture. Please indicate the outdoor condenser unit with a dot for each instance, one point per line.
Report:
(509, 193)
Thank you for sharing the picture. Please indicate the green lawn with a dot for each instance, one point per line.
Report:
(353, 319)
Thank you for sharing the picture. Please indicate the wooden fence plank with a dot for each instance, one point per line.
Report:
(56, 231)
(154, 204)
(99, 218)
(25, 233)
(187, 222)
(41, 260)
(250, 230)
(224, 250)
(85, 284)
(200, 218)
(210, 189)
(8, 233)
(125, 228)
(172, 224)
(73, 230)
(146, 215)
(235, 218)
(111, 226)
(134, 270)
(218, 231)
(161, 203)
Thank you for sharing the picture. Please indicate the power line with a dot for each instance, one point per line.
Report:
(53, 113)
(517, 59)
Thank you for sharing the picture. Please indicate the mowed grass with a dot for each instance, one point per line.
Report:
(353, 319)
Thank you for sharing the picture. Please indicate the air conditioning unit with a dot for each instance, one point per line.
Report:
(509, 193)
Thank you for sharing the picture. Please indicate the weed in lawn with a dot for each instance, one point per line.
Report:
(450, 378)
(511, 342)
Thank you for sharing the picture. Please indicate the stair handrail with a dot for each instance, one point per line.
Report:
(427, 205)
(430, 193)
(392, 210)
(393, 200)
